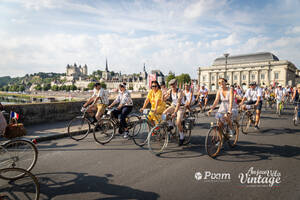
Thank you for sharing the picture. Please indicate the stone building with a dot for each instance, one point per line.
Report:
(264, 68)
(75, 73)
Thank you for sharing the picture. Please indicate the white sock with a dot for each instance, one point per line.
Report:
(181, 135)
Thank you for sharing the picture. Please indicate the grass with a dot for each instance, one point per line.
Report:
(25, 96)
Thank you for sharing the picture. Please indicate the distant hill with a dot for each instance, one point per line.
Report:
(4, 80)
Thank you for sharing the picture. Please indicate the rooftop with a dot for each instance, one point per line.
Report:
(246, 58)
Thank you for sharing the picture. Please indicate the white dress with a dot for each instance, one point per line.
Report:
(224, 107)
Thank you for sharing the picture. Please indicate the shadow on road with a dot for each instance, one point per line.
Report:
(84, 186)
(248, 152)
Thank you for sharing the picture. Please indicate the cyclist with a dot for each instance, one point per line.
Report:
(203, 95)
(124, 108)
(228, 108)
(99, 94)
(189, 98)
(177, 107)
(253, 96)
(296, 99)
(279, 95)
(155, 97)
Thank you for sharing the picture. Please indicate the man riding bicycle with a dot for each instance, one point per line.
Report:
(253, 96)
(177, 107)
(279, 95)
(124, 108)
(94, 104)
(202, 97)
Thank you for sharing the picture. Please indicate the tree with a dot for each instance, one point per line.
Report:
(47, 87)
(68, 88)
(103, 85)
(73, 87)
(91, 86)
(21, 88)
(63, 87)
(170, 77)
(183, 78)
(54, 88)
(38, 87)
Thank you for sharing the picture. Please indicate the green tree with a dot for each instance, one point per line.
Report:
(38, 87)
(68, 88)
(54, 88)
(47, 87)
(73, 87)
(170, 77)
(21, 88)
(183, 78)
(91, 86)
(103, 85)
(63, 87)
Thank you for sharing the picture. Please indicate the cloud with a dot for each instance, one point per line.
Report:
(201, 7)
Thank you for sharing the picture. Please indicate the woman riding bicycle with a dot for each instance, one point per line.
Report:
(296, 99)
(228, 108)
(124, 108)
(158, 106)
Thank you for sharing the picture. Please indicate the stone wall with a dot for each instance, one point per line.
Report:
(36, 113)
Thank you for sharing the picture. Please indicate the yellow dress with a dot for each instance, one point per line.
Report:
(153, 97)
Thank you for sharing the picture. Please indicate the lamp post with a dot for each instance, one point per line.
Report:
(226, 56)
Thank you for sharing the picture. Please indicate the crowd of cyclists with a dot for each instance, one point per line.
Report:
(174, 102)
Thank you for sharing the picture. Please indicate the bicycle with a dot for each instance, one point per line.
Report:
(105, 129)
(25, 187)
(248, 119)
(80, 126)
(217, 136)
(160, 134)
(280, 110)
(146, 125)
(18, 153)
(296, 113)
(270, 101)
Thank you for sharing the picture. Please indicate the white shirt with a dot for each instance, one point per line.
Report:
(124, 99)
(253, 94)
(102, 94)
(188, 96)
(279, 93)
(203, 92)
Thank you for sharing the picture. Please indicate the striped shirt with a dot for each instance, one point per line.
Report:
(124, 99)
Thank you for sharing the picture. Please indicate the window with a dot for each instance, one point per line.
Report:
(203, 78)
(213, 78)
(253, 76)
(276, 75)
(221, 76)
(244, 77)
(262, 76)
(235, 77)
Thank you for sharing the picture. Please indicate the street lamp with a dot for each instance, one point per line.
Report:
(226, 56)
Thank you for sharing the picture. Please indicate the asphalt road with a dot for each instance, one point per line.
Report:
(67, 169)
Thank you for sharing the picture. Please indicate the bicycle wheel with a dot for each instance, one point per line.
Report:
(246, 122)
(187, 136)
(26, 187)
(133, 125)
(19, 153)
(233, 140)
(104, 131)
(141, 138)
(79, 128)
(157, 139)
(213, 142)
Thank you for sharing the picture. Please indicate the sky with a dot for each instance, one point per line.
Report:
(170, 35)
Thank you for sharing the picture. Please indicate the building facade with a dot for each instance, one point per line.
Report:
(264, 68)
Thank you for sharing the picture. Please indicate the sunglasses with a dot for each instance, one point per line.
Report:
(154, 86)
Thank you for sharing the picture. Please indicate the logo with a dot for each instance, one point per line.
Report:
(260, 178)
(209, 176)
(198, 176)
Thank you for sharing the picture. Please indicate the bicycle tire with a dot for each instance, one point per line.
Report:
(187, 136)
(245, 123)
(26, 187)
(233, 140)
(157, 139)
(104, 131)
(213, 142)
(79, 128)
(142, 137)
(133, 124)
(17, 155)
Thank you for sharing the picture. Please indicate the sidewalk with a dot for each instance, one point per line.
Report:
(47, 131)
